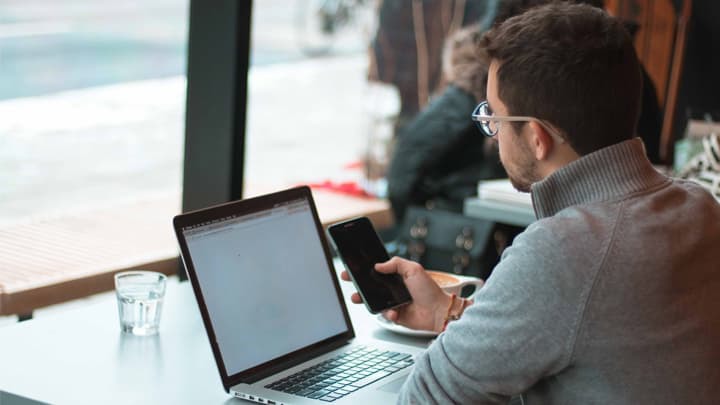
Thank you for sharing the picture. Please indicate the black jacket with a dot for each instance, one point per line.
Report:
(440, 156)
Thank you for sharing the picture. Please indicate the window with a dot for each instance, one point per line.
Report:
(92, 101)
(312, 115)
(331, 81)
(92, 108)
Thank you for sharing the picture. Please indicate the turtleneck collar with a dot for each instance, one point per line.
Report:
(609, 173)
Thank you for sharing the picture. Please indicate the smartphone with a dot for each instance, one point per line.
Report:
(360, 248)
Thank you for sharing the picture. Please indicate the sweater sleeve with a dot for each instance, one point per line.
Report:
(521, 327)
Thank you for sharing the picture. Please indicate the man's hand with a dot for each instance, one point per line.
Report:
(429, 305)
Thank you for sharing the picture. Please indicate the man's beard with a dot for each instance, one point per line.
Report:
(523, 172)
(520, 183)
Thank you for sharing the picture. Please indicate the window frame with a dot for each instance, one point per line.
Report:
(215, 117)
(218, 59)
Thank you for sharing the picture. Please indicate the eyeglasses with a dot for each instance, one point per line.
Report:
(489, 124)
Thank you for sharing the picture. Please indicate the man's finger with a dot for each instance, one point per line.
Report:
(355, 298)
(344, 275)
(400, 266)
(390, 266)
(391, 315)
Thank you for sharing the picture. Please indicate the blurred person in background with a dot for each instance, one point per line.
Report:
(438, 158)
(407, 47)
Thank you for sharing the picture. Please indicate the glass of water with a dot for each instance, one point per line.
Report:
(140, 297)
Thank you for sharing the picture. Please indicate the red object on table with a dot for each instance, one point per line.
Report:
(347, 187)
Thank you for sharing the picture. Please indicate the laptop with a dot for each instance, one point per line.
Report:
(273, 310)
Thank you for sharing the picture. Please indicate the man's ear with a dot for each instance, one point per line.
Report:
(541, 141)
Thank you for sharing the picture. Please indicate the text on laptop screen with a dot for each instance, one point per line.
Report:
(266, 284)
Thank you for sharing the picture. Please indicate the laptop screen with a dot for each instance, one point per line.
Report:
(266, 283)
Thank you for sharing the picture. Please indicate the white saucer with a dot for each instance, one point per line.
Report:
(392, 326)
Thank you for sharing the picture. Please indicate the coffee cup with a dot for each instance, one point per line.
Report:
(453, 284)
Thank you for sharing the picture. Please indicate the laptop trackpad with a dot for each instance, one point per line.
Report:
(394, 385)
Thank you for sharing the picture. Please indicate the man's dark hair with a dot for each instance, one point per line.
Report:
(572, 65)
(511, 8)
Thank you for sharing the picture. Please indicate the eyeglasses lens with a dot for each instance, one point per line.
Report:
(488, 128)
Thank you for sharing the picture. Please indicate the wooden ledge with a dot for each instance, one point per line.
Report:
(53, 260)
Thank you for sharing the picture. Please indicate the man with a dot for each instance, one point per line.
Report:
(611, 297)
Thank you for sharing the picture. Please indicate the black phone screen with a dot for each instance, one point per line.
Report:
(360, 249)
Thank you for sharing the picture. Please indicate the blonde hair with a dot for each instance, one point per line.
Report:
(465, 65)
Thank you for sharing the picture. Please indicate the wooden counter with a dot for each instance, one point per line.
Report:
(57, 259)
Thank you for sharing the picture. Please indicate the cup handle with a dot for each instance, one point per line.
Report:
(478, 283)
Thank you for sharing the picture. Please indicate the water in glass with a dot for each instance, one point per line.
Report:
(140, 297)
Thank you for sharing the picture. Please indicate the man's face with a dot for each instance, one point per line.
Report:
(515, 152)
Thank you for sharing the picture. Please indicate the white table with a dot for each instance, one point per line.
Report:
(497, 211)
(81, 357)
(499, 201)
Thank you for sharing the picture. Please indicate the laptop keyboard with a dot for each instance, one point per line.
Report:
(343, 374)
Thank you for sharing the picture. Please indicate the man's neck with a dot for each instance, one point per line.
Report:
(561, 156)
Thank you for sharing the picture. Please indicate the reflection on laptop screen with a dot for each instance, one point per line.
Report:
(266, 284)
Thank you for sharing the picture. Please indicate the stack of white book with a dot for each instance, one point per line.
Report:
(501, 190)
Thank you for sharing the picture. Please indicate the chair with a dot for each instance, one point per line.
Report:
(660, 43)
(666, 136)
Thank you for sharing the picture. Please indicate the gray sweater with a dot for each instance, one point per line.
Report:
(611, 297)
